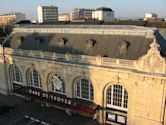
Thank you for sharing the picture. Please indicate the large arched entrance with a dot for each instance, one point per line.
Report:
(116, 105)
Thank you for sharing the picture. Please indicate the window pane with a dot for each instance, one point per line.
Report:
(117, 96)
(84, 89)
(16, 74)
(78, 89)
(91, 94)
(109, 91)
(125, 99)
(34, 78)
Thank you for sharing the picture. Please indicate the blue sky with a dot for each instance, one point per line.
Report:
(122, 8)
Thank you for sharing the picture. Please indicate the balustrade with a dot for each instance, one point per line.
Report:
(98, 60)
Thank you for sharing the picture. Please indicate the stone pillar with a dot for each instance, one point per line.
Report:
(3, 74)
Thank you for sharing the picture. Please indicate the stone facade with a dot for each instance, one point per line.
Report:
(144, 79)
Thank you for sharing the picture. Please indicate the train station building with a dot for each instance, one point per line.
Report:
(112, 74)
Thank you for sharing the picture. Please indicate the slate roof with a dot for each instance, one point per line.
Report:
(104, 9)
(114, 46)
(104, 45)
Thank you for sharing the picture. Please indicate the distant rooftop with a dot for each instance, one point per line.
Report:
(47, 6)
(13, 13)
(104, 9)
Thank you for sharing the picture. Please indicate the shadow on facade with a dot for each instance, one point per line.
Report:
(52, 80)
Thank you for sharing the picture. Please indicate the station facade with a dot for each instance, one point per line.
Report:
(113, 74)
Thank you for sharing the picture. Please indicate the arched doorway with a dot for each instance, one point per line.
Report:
(116, 105)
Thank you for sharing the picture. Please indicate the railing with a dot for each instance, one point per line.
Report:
(103, 61)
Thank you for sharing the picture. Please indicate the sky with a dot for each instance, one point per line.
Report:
(122, 8)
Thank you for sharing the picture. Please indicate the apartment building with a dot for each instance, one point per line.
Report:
(81, 14)
(47, 14)
(64, 17)
(11, 18)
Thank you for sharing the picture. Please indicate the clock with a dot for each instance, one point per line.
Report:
(57, 82)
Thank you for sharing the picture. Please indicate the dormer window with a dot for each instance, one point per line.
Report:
(90, 43)
(16, 42)
(123, 47)
(22, 38)
(60, 41)
(39, 40)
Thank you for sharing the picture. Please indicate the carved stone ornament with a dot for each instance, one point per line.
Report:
(123, 47)
(90, 43)
(60, 41)
(116, 78)
(23, 68)
(57, 82)
(152, 61)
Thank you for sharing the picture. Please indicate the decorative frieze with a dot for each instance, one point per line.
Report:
(152, 61)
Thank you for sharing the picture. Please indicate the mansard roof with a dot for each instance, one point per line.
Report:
(104, 41)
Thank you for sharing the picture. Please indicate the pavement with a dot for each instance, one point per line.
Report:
(23, 112)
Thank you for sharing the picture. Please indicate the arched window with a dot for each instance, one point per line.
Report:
(84, 89)
(57, 84)
(34, 78)
(16, 75)
(117, 97)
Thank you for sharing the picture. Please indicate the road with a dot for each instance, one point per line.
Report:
(32, 113)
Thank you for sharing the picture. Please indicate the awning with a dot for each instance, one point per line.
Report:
(74, 104)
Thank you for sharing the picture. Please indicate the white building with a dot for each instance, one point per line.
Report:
(64, 17)
(150, 16)
(47, 14)
(80, 14)
(103, 14)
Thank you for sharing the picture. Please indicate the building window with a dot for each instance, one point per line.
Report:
(84, 89)
(117, 97)
(57, 84)
(16, 75)
(34, 78)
